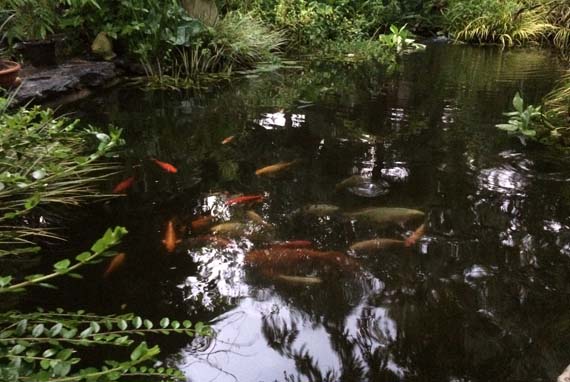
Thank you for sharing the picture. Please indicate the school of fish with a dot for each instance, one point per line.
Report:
(277, 260)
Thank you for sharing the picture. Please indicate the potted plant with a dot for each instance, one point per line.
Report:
(32, 24)
(9, 70)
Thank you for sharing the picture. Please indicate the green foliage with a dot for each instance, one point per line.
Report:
(312, 23)
(33, 19)
(522, 121)
(66, 267)
(46, 160)
(45, 346)
(509, 22)
(400, 39)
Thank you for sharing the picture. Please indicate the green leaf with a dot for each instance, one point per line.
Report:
(17, 349)
(83, 257)
(187, 324)
(48, 353)
(70, 333)
(95, 327)
(5, 281)
(62, 266)
(529, 133)
(86, 333)
(518, 103)
(175, 324)
(38, 330)
(164, 322)
(55, 330)
(147, 324)
(139, 351)
(62, 369)
(64, 354)
(21, 327)
(137, 322)
(122, 325)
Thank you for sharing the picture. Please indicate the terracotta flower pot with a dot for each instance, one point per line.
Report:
(9, 71)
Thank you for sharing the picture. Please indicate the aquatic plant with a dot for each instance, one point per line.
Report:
(400, 39)
(522, 121)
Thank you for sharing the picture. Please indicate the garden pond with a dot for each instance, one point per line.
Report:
(475, 287)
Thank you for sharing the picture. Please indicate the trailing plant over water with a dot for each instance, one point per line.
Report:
(46, 160)
(45, 346)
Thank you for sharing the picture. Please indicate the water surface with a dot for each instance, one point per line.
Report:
(482, 296)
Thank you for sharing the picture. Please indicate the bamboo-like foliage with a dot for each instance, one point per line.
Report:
(46, 160)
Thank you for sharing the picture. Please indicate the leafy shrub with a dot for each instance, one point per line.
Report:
(311, 23)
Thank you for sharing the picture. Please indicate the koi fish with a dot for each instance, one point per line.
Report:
(170, 241)
(320, 209)
(291, 258)
(228, 140)
(256, 218)
(165, 166)
(201, 223)
(229, 228)
(376, 244)
(115, 263)
(274, 168)
(352, 181)
(244, 199)
(385, 215)
(292, 244)
(300, 279)
(124, 185)
(415, 236)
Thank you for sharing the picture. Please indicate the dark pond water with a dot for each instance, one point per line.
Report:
(483, 295)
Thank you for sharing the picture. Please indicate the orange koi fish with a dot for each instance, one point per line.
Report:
(270, 170)
(201, 223)
(284, 259)
(165, 166)
(244, 199)
(292, 244)
(228, 140)
(124, 185)
(170, 241)
(115, 263)
(415, 236)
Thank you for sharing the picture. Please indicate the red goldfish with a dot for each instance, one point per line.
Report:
(117, 261)
(124, 185)
(228, 140)
(415, 236)
(273, 259)
(244, 199)
(201, 223)
(170, 241)
(165, 166)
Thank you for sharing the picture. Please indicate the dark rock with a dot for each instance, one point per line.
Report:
(42, 84)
